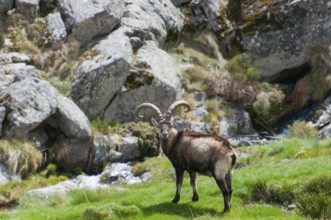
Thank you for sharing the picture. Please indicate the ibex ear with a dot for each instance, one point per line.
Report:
(154, 122)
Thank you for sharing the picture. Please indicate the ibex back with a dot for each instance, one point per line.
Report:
(195, 153)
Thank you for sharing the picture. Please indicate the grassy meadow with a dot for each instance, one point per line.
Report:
(268, 180)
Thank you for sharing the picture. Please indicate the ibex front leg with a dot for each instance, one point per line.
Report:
(179, 181)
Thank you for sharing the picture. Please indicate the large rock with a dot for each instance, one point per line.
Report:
(156, 78)
(106, 148)
(180, 2)
(102, 74)
(88, 19)
(56, 27)
(14, 57)
(158, 17)
(71, 154)
(28, 102)
(6, 175)
(71, 120)
(237, 124)
(19, 71)
(6, 5)
(283, 33)
(322, 117)
(2, 117)
(130, 149)
(28, 8)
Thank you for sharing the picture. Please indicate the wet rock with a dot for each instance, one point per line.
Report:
(118, 173)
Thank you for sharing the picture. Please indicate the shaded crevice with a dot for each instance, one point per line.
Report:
(109, 103)
(291, 75)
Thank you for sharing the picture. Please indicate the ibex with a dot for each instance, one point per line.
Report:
(194, 152)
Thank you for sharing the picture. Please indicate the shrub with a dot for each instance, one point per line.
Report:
(268, 104)
(301, 129)
(314, 200)
(96, 214)
(125, 210)
(243, 68)
(317, 83)
(148, 136)
(283, 195)
(99, 125)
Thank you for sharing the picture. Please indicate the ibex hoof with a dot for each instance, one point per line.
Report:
(195, 198)
(175, 200)
(226, 210)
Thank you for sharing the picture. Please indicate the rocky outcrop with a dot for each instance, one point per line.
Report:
(56, 27)
(277, 41)
(102, 73)
(71, 154)
(28, 8)
(88, 19)
(6, 5)
(6, 175)
(322, 117)
(113, 76)
(155, 77)
(157, 19)
(71, 120)
(28, 102)
(19, 71)
(14, 57)
(2, 117)
(237, 124)
(32, 109)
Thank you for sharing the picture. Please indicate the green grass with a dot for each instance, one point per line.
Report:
(286, 165)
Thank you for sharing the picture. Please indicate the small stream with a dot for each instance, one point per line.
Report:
(117, 173)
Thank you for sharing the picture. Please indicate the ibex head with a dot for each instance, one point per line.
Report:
(163, 121)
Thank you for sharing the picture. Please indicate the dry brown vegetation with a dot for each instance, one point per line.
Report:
(316, 84)
(20, 157)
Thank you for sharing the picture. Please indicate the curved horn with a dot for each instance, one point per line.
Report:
(149, 106)
(175, 105)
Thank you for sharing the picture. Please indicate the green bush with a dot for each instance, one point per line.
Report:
(243, 68)
(96, 214)
(268, 104)
(99, 125)
(262, 192)
(300, 129)
(125, 210)
(148, 136)
(314, 200)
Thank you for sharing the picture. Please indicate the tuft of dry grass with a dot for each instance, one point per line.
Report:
(21, 158)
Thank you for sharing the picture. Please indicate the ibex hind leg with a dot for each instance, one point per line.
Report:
(193, 177)
(228, 180)
(221, 170)
(225, 192)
